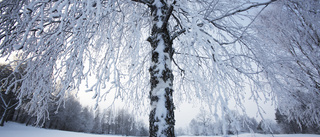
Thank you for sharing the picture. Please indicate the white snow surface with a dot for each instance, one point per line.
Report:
(12, 129)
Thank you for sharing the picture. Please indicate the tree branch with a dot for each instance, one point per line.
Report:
(202, 57)
(237, 37)
(169, 13)
(143, 2)
(182, 70)
(242, 10)
(177, 34)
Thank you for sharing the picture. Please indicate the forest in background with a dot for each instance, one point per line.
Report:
(204, 124)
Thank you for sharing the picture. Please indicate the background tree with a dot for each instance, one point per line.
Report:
(195, 128)
(248, 124)
(86, 119)
(70, 117)
(204, 119)
(97, 128)
(181, 131)
(289, 126)
(65, 42)
(268, 126)
(205, 124)
(8, 99)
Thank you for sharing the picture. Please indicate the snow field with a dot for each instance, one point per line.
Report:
(12, 129)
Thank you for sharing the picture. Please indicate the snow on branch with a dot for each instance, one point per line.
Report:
(242, 10)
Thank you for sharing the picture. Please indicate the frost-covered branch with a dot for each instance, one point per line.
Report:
(242, 10)
(177, 34)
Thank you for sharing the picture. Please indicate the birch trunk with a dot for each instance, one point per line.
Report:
(161, 117)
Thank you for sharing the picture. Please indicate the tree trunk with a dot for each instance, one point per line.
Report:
(161, 117)
(3, 117)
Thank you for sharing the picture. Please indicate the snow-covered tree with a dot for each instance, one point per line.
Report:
(69, 118)
(133, 48)
(86, 118)
(268, 126)
(289, 126)
(248, 125)
(205, 124)
(204, 120)
(217, 130)
(194, 127)
(289, 52)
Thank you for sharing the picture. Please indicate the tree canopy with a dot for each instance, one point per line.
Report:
(210, 47)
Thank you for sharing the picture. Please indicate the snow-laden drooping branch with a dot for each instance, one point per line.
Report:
(289, 33)
(215, 59)
(55, 41)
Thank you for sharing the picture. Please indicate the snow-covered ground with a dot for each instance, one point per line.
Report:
(11, 129)
(19, 130)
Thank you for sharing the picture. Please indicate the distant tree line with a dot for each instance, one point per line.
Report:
(207, 125)
(71, 115)
(74, 117)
